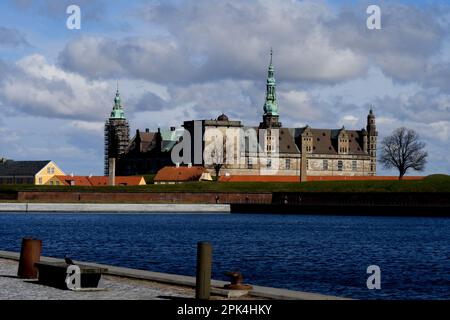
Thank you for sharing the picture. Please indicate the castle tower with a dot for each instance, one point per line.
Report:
(270, 117)
(117, 132)
(372, 135)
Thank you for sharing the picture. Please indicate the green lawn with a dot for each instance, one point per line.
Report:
(434, 183)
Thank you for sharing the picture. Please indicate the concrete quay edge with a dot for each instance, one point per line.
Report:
(188, 281)
(113, 208)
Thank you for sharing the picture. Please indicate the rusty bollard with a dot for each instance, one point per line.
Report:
(237, 281)
(203, 279)
(30, 253)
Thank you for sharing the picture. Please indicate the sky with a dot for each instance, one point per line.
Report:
(180, 60)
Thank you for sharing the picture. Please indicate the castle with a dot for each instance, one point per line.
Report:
(267, 149)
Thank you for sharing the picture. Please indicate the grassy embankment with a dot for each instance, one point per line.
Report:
(433, 183)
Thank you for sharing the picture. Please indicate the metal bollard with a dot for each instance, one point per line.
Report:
(203, 279)
(30, 253)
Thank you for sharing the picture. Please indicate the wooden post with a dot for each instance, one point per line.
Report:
(203, 279)
(30, 253)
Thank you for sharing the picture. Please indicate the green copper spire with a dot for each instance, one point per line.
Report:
(271, 106)
(117, 111)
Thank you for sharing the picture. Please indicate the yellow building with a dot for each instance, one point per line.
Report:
(28, 172)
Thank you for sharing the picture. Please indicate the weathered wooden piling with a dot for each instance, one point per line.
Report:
(30, 253)
(203, 279)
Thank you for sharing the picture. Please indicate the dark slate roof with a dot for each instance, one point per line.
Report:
(325, 140)
(146, 142)
(286, 140)
(21, 168)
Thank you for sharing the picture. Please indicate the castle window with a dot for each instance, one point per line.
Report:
(269, 163)
(340, 165)
(288, 164)
(325, 165)
(249, 163)
(354, 165)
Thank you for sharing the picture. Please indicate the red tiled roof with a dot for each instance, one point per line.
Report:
(120, 180)
(360, 178)
(179, 174)
(310, 178)
(259, 179)
(95, 181)
(77, 180)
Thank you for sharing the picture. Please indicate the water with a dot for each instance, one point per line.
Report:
(323, 254)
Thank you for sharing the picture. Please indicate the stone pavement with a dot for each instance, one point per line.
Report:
(116, 288)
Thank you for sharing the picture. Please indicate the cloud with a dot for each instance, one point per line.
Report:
(216, 40)
(36, 87)
(12, 38)
(425, 106)
(212, 40)
(408, 44)
(349, 121)
(138, 58)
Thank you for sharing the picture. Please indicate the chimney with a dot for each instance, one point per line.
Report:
(112, 172)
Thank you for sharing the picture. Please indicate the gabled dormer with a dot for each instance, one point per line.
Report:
(307, 140)
(343, 141)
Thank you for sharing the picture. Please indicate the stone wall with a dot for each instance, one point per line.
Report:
(154, 197)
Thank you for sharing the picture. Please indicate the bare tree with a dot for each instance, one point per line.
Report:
(217, 167)
(403, 150)
(218, 160)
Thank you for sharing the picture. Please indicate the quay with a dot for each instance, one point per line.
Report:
(131, 284)
(134, 208)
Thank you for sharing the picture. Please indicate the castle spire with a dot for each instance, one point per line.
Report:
(270, 117)
(270, 105)
(117, 111)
